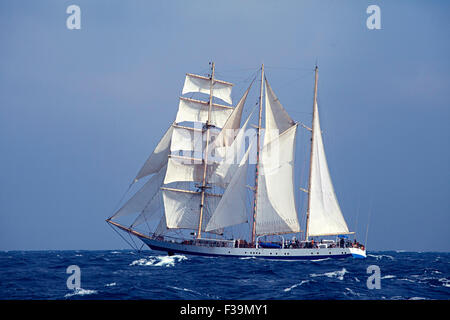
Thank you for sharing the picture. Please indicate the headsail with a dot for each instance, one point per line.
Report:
(142, 198)
(158, 158)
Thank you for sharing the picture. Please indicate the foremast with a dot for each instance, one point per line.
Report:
(205, 158)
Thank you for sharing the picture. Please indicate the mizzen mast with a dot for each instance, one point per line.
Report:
(311, 153)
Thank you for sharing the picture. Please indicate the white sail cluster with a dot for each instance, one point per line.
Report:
(171, 198)
(178, 161)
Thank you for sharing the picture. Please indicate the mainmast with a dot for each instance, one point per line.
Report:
(205, 159)
(258, 143)
(311, 154)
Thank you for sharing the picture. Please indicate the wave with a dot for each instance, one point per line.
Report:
(445, 282)
(334, 274)
(112, 284)
(159, 261)
(378, 257)
(295, 285)
(184, 289)
(317, 260)
(350, 291)
(80, 292)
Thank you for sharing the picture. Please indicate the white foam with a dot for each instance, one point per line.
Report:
(80, 292)
(324, 259)
(159, 261)
(112, 284)
(378, 257)
(445, 282)
(352, 292)
(184, 289)
(295, 285)
(389, 276)
(334, 274)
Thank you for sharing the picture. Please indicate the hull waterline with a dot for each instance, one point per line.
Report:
(265, 253)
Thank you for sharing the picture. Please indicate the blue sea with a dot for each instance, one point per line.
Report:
(153, 275)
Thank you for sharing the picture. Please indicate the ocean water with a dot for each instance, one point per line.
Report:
(153, 275)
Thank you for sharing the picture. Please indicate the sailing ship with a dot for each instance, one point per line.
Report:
(196, 199)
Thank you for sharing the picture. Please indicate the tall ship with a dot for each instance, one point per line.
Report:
(219, 186)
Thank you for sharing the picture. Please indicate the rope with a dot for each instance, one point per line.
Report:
(122, 236)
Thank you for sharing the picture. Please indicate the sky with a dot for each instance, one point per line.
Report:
(81, 110)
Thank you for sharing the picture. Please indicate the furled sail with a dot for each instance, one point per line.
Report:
(231, 209)
(276, 212)
(158, 158)
(277, 119)
(196, 83)
(325, 216)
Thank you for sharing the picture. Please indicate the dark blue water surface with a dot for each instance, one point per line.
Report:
(153, 275)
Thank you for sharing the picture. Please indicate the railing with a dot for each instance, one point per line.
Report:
(238, 243)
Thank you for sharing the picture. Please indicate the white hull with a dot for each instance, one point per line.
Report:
(267, 253)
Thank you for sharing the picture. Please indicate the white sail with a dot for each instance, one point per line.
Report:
(325, 216)
(184, 169)
(196, 83)
(229, 157)
(277, 119)
(276, 212)
(231, 127)
(152, 212)
(158, 158)
(197, 111)
(182, 208)
(231, 209)
(143, 197)
(187, 139)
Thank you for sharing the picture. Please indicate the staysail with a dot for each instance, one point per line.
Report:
(158, 158)
(276, 212)
(232, 208)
